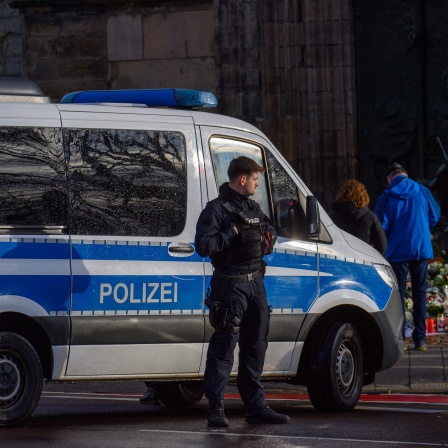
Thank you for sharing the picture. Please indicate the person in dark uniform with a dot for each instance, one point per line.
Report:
(236, 235)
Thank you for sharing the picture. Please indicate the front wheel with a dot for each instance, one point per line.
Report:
(173, 394)
(336, 378)
(20, 378)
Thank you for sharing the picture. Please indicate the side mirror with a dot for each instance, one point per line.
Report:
(284, 213)
(312, 216)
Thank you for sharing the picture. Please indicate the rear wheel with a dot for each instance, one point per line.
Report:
(336, 379)
(20, 378)
(173, 394)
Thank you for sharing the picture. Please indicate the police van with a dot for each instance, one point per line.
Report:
(99, 276)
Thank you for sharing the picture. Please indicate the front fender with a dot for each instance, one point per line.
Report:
(22, 305)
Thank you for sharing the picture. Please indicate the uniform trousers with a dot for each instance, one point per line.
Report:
(247, 301)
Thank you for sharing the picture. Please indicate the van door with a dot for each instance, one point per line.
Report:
(292, 269)
(34, 240)
(137, 302)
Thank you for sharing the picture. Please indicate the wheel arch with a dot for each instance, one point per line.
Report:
(30, 329)
(318, 326)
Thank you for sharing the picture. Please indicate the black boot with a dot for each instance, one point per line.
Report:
(266, 415)
(150, 397)
(215, 414)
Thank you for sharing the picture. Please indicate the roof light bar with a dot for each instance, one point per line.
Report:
(178, 98)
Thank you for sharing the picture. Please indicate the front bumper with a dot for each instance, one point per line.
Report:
(390, 322)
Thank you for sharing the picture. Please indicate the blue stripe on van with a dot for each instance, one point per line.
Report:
(293, 293)
(121, 293)
(108, 294)
(355, 276)
(100, 250)
(298, 293)
(52, 293)
(43, 248)
(30, 248)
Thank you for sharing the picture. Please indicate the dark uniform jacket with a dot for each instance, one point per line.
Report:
(216, 238)
(360, 222)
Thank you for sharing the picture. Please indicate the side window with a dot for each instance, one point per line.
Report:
(289, 202)
(127, 182)
(224, 150)
(33, 187)
(290, 205)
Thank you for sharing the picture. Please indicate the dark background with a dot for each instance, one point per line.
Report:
(341, 87)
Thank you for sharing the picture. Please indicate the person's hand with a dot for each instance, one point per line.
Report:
(234, 228)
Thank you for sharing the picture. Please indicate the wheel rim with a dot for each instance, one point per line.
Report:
(347, 368)
(10, 379)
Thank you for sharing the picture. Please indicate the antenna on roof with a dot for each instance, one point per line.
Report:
(21, 90)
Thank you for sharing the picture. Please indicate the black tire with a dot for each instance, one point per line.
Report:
(173, 394)
(20, 379)
(336, 378)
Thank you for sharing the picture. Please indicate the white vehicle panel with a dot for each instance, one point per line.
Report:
(109, 361)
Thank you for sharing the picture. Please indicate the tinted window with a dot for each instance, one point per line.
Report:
(125, 182)
(32, 178)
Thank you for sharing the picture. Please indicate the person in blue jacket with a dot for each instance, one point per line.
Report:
(408, 212)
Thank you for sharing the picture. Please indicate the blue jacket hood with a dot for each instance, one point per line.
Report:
(402, 187)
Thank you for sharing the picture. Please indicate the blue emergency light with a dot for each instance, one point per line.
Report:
(178, 98)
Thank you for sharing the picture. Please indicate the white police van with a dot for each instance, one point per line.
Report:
(99, 277)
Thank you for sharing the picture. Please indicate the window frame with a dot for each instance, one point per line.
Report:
(268, 211)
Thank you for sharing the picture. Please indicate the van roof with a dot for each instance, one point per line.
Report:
(20, 90)
(200, 118)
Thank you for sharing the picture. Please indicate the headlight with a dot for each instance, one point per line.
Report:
(387, 274)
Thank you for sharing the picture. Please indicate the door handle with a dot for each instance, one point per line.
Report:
(180, 249)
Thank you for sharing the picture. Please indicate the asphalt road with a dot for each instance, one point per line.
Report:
(109, 415)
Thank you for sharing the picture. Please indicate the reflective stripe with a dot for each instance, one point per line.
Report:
(45, 267)
(166, 269)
